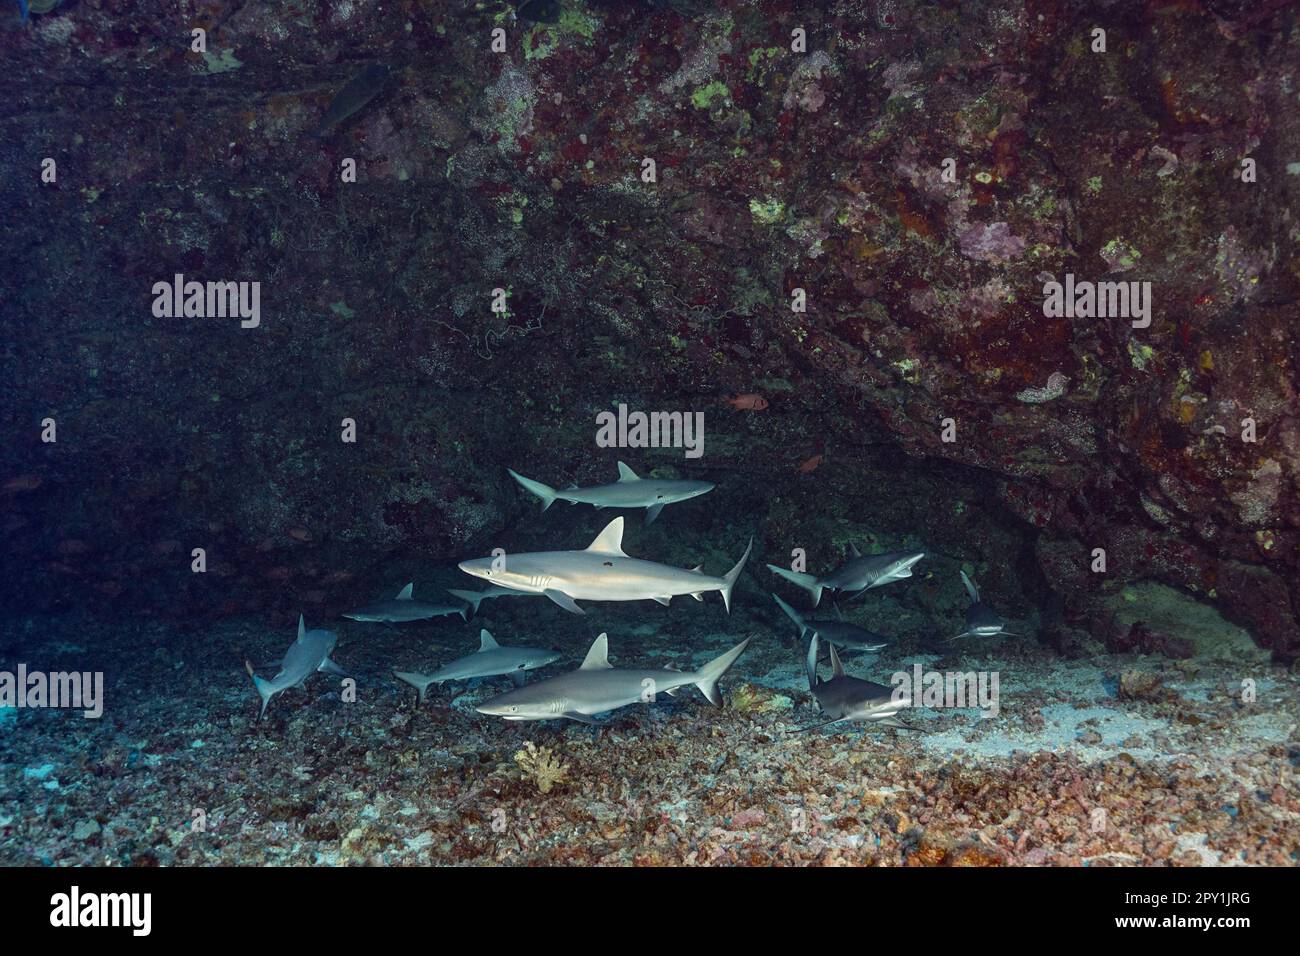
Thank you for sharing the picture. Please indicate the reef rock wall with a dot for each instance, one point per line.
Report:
(1170, 158)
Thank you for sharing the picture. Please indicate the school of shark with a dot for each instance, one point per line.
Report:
(603, 571)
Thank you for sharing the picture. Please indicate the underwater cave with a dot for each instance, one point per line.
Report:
(303, 305)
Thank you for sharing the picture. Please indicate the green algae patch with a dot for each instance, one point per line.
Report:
(704, 96)
(766, 211)
(545, 38)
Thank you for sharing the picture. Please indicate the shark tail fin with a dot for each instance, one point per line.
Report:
(472, 598)
(707, 677)
(545, 492)
(420, 682)
(792, 614)
(264, 689)
(971, 589)
(731, 576)
(806, 581)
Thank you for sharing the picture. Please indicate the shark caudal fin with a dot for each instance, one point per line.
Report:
(793, 615)
(472, 598)
(971, 589)
(545, 492)
(806, 581)
(420, 682)
(264, 689)
(730, 576)
(707, 677)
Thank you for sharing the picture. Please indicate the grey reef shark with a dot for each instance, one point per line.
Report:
(491, 660)
(404, 608)
(630, 491)
(844, 698)
(981, 620)
(856, 575)
(309, 654)
(601, 572)
(598, 687)
(839, 632)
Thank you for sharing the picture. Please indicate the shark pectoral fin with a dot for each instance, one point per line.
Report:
(959, 636)
(582, 718)
(327, 666)
(518, 678)
(893, 722)
(652, 512)
(564, 601)
(664, 599)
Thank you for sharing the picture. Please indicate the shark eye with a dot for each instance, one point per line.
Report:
(659, 496)
(514, 709)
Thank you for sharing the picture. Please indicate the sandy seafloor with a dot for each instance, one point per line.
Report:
(1186, 775)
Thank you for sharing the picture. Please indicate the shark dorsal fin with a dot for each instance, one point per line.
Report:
(406, 593)
(698, 569)
(836, 666)
(853, 550)
(486, 641)
(610, 541)
(598, 657)
(302, 627)
(627, 474)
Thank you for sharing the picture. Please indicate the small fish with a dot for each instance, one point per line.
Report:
(858, 574)
(404, 608)
(23, 483)
(748, 402)
(491, 660)
(356, 93)
(630, 491)
(597, 686)
(809, 466)
(539, 11)
(308, 655)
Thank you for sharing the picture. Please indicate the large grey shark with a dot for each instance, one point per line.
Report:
(309, 654)
(475, 598)
(404, 608)
(491, 660)
(981, 620)
(630, 491)
(597, 687)
(602, 572)
(858, 574)
(839, 632)
(848, 698)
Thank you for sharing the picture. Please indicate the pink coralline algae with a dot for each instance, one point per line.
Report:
(991, 242)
